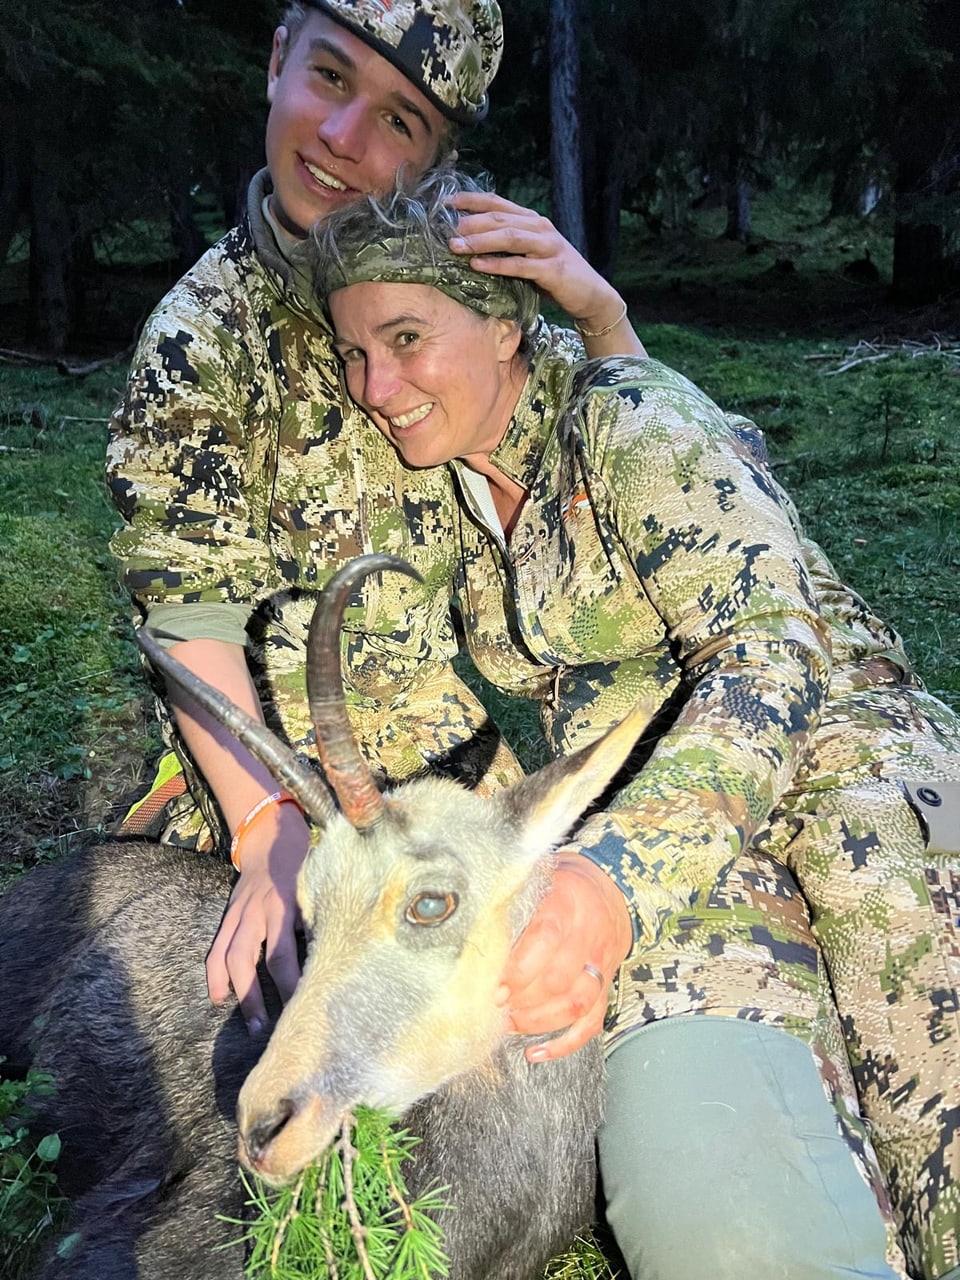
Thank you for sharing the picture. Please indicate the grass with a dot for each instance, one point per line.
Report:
(72, 726)
(30, 1204)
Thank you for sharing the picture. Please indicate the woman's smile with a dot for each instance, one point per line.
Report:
(403, 421)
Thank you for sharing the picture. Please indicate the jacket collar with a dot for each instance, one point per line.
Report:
(520, 453)
(286, 257)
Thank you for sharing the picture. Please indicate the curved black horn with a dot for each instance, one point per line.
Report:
(280, 759)
(345, 768)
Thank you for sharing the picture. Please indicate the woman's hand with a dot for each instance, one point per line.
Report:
(583, 921)
(262, 909)
(534, 249)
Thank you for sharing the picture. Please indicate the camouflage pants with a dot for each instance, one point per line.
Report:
(886, 912)
(875, 933)
(749, 952)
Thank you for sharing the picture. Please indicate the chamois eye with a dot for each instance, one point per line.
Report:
(431, 908)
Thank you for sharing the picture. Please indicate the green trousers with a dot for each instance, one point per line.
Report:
(721, 1159)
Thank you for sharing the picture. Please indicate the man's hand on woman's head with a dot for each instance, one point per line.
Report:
(581, 929)
(506, 239)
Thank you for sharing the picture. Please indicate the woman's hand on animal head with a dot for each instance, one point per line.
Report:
(582, 928)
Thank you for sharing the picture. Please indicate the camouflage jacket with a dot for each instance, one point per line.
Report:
(244, 479)
(656, 561)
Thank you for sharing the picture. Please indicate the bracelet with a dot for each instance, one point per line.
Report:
(600, 333)
(245, 823)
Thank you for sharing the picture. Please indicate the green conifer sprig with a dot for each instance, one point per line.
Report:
(348, 1216)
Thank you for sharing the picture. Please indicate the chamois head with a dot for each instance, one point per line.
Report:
(411, 900)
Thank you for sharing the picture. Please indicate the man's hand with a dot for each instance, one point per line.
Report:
(263, 905)
(262, 909)
(535, 250)
(583, 921)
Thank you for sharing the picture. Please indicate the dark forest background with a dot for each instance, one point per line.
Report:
(129, 132)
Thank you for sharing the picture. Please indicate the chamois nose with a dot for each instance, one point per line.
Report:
(256, 1139)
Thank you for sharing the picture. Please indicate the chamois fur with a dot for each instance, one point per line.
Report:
(102, 956)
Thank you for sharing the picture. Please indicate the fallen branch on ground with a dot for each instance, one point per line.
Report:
(869, 352)
(61, 363)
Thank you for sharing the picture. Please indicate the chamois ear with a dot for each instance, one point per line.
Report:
(544, 806)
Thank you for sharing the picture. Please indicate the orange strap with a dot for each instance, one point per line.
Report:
(246, 822)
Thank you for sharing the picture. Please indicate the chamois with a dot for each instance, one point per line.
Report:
(411, 900)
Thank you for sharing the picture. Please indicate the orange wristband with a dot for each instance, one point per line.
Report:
(246, 822)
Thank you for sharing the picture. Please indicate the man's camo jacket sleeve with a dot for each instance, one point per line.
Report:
(189, 460)
(244, 481)
(655, 563)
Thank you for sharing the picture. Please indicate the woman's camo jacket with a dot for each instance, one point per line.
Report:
(658, 562)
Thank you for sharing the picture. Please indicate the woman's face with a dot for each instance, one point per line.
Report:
(439, 380)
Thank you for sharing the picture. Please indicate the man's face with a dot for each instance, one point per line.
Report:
(342, 122)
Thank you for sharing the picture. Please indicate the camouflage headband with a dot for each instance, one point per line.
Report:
(410, 259)
(450, 49)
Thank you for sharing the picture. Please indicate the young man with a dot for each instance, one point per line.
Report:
(244, 484)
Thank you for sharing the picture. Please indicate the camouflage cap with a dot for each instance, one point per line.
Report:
(408, 259)
(450, 49)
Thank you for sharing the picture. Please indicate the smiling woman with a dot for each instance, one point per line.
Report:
(436, 354)
(623, 544)
(439, 380)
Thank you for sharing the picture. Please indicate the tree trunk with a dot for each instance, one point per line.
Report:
(857, 188)
(739, 225)
(603, 183)
(926, 247)
(50, 250)
(187, 238)
(566, 166)
(234, 181)
(12, 178)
